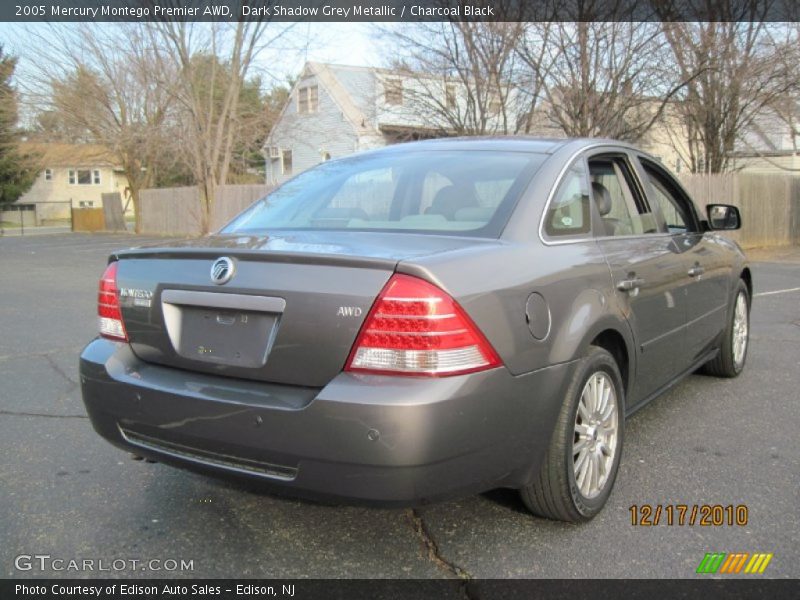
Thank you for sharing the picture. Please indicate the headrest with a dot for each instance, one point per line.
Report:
(602, 198)
(449, 199)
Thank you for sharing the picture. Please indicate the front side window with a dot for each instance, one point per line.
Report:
(569, 211)
(677, 217)
(465, 192)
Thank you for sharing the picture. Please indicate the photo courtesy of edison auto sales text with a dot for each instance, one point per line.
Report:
(399, 298)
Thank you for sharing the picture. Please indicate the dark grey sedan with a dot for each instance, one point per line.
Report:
(422, 321)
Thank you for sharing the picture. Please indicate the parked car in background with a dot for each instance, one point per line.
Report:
(426, 320)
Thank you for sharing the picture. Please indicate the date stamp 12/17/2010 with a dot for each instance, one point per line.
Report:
(703, 515)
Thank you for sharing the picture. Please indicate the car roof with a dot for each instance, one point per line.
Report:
(507, 143)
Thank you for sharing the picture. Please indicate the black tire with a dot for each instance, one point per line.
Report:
(724, 365)
(555, 494)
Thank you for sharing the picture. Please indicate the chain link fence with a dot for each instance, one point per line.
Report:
(35, 218)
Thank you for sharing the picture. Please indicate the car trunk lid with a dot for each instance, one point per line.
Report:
(289, 314)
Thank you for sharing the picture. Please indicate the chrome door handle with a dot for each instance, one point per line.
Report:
(627, 285)
(696, 271)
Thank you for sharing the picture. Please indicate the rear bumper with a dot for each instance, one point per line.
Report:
(395, 440)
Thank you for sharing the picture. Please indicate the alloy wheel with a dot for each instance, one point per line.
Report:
(740, 330)
(595, 441)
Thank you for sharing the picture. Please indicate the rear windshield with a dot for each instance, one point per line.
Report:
(466, 192)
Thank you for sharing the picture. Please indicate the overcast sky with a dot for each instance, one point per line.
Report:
(341, 43)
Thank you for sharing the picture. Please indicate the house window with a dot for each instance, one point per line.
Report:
(286, 162)
(308, 99)
(450, 95)
(326, 156)
(86, 204)
(48, 174)
(393, 91)
(96, 177)
(83, 176)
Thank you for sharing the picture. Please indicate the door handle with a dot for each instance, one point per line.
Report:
(627, 285)
(696, 271)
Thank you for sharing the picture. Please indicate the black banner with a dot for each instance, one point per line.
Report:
(397, 10)
(735, 587)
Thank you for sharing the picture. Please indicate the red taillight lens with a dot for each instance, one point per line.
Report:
(414, 328)
(108, 311)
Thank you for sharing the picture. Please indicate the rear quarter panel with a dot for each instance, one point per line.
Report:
(493, 285)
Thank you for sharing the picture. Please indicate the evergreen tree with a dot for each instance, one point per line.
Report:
(17, 171)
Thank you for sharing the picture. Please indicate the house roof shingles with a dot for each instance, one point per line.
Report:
(52, 154)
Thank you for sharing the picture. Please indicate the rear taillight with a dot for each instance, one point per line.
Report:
(414, 328)
(108, 312)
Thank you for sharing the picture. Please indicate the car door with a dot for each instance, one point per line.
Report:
(704, 261)
(645, 267)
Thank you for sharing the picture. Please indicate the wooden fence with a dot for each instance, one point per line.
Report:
(88, 219)
(770, 206)
(176, 211)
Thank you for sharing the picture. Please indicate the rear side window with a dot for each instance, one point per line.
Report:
(470, 192)
(569, 213)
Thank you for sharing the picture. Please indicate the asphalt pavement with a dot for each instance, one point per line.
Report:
(66, 493)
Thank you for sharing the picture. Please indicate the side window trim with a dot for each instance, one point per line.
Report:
(631, 196)
(585, 154)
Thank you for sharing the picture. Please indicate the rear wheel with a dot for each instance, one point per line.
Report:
(736, 338)
(581, 464)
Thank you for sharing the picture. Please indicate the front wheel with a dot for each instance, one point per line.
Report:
(736, 338)
(580, 467)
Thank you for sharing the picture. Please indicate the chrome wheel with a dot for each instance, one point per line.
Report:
(740, 330)
(595, 441)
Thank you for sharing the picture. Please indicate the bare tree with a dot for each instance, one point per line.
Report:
(212, 61)
(92, 86)
(735, 70)
(462, 74)
(600, 79)
(781, 117)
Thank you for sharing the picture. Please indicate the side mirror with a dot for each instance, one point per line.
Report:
(723, 216)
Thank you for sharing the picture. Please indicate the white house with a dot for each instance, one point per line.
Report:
(71, 176)
(770, 145)
(335, 110)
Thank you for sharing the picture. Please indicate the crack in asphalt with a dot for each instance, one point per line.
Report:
(72, 385)
(13, 413)
(4, 357)
(434, 554)
(59, 370)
